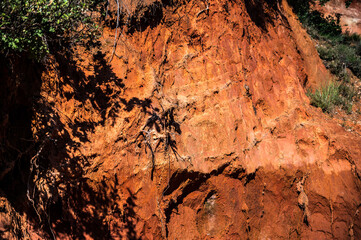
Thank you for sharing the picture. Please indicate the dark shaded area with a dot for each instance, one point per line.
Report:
(209, 195)
(133, 102)
(91, 208)
(250, 177)
(146, 16)
(256, 9)
(91, 88)
(129, 216)
(76, 205)
(173, 2)
(187, 182)
(178, 178)
(19, 86)
(191, 180)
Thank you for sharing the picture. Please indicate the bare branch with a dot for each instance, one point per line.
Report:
(116, 32)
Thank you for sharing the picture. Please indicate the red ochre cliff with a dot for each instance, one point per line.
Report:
(198, 128)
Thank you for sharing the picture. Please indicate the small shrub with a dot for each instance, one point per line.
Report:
(347, 55)
(339, 57)
(348, 3)
(326, 97)
(353, 38)
(358, 48)
(326, 53)
(330, 59)
(347, 93)
(331, 95)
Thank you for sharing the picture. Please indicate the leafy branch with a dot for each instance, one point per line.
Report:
(33, 26)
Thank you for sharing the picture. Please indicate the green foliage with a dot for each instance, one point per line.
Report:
(32, 26)
(348, 3)
(328, 27)
(348, 56)
(326, 97)
(331, 95)
(325, 26)
(339, 57)
(338, 51)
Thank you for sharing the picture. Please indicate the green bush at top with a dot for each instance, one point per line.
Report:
(33, 26)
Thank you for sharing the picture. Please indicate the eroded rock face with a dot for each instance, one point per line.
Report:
(198, 128)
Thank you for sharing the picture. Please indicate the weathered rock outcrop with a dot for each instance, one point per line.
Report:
(199, 128)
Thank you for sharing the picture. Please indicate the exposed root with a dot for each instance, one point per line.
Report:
(160, 129)
(303, 200)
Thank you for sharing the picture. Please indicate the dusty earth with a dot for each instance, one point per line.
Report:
(195, 125)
